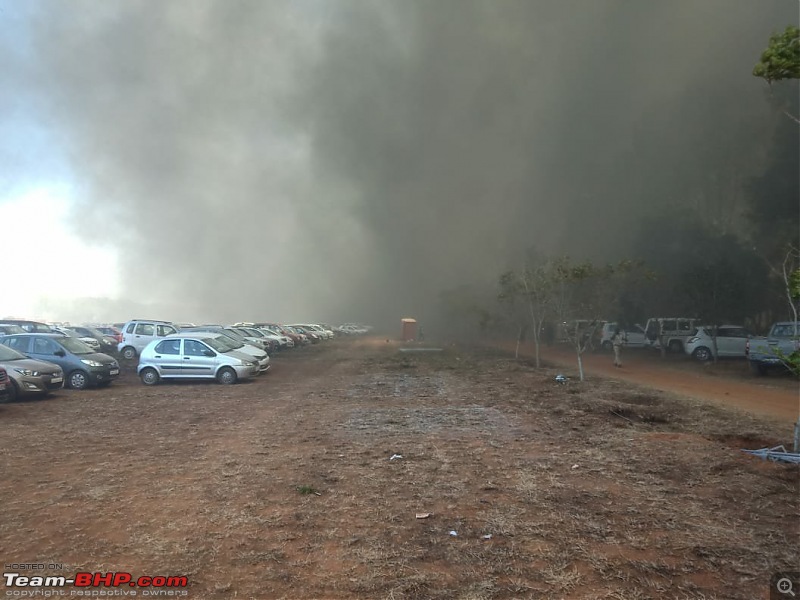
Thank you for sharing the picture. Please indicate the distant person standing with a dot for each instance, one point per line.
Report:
(617, 340)
(421, 335)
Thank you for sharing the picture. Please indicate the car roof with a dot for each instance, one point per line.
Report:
(149, 321)
(57, 336)
(201, 335)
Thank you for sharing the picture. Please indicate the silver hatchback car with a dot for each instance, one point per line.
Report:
(194, 355)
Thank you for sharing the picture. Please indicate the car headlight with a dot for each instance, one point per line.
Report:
(248, 364)
(693, 340)
(91, 363)
(27, 372)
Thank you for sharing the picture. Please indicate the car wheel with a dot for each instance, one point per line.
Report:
(149, 376)
(702, 354)
(226, 376)
(758, 368)
(675, 346)
(13, 391)
(129, 353)
(78, 380)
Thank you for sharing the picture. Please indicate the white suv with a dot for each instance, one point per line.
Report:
(136, 334)
(670, 333)
(633, 336)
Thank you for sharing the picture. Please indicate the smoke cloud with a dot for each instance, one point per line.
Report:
(349, 160)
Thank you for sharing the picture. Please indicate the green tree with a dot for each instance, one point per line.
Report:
(781, 60)
(584, 294)
(533, 285)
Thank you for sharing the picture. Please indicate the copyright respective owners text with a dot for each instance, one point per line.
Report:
(54, 579)
(785, 585)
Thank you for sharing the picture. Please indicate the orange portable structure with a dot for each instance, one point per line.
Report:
(409, 330)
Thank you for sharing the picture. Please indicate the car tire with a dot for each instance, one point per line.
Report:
(13, 391)
(675, 346)
(702, 354)
(226, 376)
(758, 368)
(78, 380)
(129, 353)
(149, 376)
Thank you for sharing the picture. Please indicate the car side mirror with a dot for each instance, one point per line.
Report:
(60, 353)
(209, 353)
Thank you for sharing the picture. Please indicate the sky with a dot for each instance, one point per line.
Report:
(348, 160)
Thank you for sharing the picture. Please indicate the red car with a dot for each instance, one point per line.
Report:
(111, 332)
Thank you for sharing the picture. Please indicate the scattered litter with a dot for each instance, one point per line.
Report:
(574, 466)
(395, 456)
(453, 533)
(778, 453)
(423, 515)
(488, 536)
(620, 416)
(561, 379)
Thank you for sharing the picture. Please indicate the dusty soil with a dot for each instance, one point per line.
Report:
(729, 382)
(284, 487)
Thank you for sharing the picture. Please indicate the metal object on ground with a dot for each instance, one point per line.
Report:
(778, 454)
(420, 349)
(797, 435)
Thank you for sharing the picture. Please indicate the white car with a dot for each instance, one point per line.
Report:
(731, 342)
(272, 331)
(261, 357)
(634, 336)
(89, 341)
(195, 355)
(136, 334)
(319, 328)
(352, 330)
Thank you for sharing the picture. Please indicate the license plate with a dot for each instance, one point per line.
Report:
(56, 380)
(114, 372)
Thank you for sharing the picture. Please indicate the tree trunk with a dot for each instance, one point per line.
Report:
(519, 338)
(580, 364)
(715, 348)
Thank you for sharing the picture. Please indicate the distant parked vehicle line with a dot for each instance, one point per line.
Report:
(770, 352)
(731, 342)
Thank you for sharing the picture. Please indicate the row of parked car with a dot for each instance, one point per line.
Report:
(701, 342)
(37, 358)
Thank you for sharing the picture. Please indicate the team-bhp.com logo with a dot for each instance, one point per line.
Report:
(95, 584)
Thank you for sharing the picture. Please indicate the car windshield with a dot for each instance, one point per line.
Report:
(7, 354)
(40, 328)
(9, 329)
(75, 346)
(220, 344)
(254, 333)
(231, 340)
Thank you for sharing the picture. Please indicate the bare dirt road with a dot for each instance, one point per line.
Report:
(354, 470)
(729, 382)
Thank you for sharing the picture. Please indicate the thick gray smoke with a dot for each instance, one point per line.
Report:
(350, 159)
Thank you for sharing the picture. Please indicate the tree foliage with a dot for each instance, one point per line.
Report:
(781, 59)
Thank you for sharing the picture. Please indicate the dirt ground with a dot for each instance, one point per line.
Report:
(285, 487)
(729, 382)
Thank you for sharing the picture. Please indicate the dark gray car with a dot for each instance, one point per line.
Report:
(83, 366)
